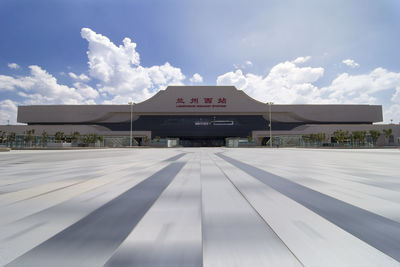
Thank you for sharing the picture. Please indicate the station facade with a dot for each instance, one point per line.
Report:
(200, 116)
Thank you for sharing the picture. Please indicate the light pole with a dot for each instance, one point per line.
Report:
(270, 124)
(130, 139)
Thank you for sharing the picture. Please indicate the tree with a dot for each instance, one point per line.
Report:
(2, 137)
(94, 138)
(313, 138)
(306, 138)
(101, 139)
(145, 139)
(359, 136)
(374, 135)
(60, 137)
(11, 138)
(320, 137)
(388, 134)
(90, 139)
(45, 138)
(28, 136)
(75, 136)
(86, 139)
(363, 135)
(341, 136)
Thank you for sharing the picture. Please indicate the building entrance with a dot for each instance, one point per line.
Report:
(209, 141)
(264, 141)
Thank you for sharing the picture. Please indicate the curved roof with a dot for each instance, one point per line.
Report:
(194, 100)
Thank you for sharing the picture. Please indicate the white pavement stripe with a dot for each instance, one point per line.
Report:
(58, 217)
(233, 233)
(314, 240)
(92, 240)
(40, 198)
(377, 231)
(364, 178)
(243, 220)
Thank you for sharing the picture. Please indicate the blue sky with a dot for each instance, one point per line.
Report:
(72, 52)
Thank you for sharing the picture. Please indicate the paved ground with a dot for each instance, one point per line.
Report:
(200, 207)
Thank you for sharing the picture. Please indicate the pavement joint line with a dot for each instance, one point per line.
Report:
(240, 192)
(45, 193)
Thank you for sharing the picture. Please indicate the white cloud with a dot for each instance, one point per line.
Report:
(362, 88)
(7, 83)
(119, 71)
(196, 78)
(351, 63)
(81, 78)
(286, 82)
(396, 96)
(121, 78)
(243, 66)
(13, 66)
(8, 111)
(86, 91)
(392, 113)
(300, 60)
(40, 87)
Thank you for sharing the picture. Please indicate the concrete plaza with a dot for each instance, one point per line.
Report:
(200, 207)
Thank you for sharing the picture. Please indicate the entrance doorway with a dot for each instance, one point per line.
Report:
(264, 141)
(208, 141)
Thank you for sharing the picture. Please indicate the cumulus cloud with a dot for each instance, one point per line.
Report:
(40, 87)
(81, 78)
(8, 111)
(362, 88)
(7, 83)
(86, 91)
(245, 65)
(300, 60)
(119, 77)
(351, 63)
(119, 71)
(13, 66)
(392, 112)
(196, 78)
(285, 83)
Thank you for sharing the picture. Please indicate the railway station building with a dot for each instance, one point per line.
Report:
(200, 116)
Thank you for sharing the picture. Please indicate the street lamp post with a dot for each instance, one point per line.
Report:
(270, 124)
(130, 139)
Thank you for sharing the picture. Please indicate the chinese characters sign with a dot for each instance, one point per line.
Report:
(201, 102)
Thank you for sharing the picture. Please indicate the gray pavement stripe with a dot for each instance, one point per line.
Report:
(379, 232)
(176, 157)
(170, 232)
(55, 209)
(234, 233)
(93, 239)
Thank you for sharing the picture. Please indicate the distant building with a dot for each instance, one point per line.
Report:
(200, 116)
